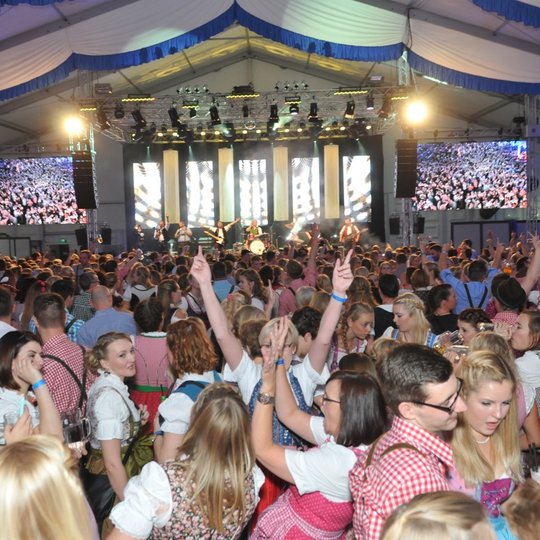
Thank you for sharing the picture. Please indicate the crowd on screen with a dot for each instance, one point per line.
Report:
(37, 191)
(470, 175)
(314, 391)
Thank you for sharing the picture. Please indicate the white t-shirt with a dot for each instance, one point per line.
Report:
(10, 402)
(248, 374)
(140, 291)
(5, 328)
(176, 409)
(148, 501)
(528, 367)
(325, 468)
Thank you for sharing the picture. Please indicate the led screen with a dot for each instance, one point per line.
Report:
(357, 187)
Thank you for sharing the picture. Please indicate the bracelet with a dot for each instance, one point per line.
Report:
(341, 299)
(280, 362)
(36, 385)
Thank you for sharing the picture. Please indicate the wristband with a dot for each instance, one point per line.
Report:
(159, 433)
(36, 385)
(341, 299)
(280, 362)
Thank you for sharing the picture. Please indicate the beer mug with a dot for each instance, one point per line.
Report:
(76, 427)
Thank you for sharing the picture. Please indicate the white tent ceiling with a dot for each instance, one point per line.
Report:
(52, 54)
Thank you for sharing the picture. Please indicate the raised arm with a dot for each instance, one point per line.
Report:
(497, 254)
(230, 346)
(533, 272)
(341, 280)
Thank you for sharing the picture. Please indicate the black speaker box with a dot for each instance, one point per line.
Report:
(106, 233)
(83, 180)
(418, 225)
(82, 240)
(406, 175)
(394, 225)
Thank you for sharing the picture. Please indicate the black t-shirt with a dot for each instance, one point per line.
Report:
(383, 319)
(443, 323)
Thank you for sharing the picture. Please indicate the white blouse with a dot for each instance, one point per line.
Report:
(11, 401)
(325, 468)
(148, 501)
(110, 412)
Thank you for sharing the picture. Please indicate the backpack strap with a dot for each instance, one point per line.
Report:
(469, 298)
(81, 385)
(70, 324)
(386, 451)
(192, 389)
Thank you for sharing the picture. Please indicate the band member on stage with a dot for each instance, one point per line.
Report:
(349, 233)
(183, 236)
(161, 234)
(138, 236)
(219, 232)
(253, 231)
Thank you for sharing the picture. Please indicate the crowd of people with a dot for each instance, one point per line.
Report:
(457, 176)
(36, 191)
(316, 392)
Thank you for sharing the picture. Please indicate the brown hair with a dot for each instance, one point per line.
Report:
(94, 356)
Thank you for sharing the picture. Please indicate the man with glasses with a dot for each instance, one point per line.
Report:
(412, 457)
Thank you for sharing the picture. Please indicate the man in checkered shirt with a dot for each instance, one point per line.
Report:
(412, 457)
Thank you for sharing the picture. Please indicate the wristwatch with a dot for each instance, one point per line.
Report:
(265, 399)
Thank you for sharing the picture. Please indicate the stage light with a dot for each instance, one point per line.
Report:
(386, 109)
(102, 119)
(140, 122)
(173, 115)
(245, 111)
(203, 133)
(349, 110)
(192, 113)
(416, 112)
(244, 132)
(214, 116)
(138, 98)
(119, 111)
(217, 133)
(73, 125)
(294, 109)
(313, 115)
(370, 102)
(274, 116)
(152, 128)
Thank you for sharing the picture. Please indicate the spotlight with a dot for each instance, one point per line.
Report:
(274, 116)
(416, 112)
(214, 116)
(102, 119)
(313, 115)
(294, 109)
(140, 122)
(386, 109)
(173, 115)
(73, 125)
(152, 128)
(245, 111)
(119, 111)
(192, 113)
(370, 102)
(182, 130)
(349, 110)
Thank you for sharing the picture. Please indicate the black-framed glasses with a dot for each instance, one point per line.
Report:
(450, 408)
(326, 398)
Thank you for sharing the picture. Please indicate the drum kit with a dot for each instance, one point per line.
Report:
(258, 244)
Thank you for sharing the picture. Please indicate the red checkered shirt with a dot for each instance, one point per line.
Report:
(64, 390)
(398, 476)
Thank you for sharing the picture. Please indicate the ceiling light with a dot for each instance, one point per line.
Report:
(416, 112)
(192, 113)
(370, 102)
(73, 125)
(294, 109)
(245, 111)
(349, 110)
(119, 111)
(274, 116)
(140, 122)
(386, 109)
(173, 115)
(102, 119)
(313, 115)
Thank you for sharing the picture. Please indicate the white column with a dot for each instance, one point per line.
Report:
(331, 181)
(226, 184)
(171, 185)
(281, 183)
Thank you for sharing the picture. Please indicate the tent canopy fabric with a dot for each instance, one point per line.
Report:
(43, 41)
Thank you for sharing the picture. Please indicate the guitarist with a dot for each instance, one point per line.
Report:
(161, 234)
(219, 232)
(349, 233)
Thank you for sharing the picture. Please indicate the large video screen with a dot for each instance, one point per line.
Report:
(306, 190)
(200, 193)
(465, 175)
(147, 189)
(357, 187)
(36, 191)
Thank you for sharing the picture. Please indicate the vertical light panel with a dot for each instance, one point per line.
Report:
(171, 185)
(200, 193)
(253, 190)
(357, 187)
(281, 183)
(226, 184)
(306, 190)
(147, 191)
(331, 181)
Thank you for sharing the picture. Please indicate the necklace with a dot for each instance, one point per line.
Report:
(485, 441)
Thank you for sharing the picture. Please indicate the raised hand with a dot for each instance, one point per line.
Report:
(145, 415)
(19, 431)
(24, 369)
(342, 276)
(200, 269)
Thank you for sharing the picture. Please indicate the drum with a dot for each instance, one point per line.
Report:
(256, 247)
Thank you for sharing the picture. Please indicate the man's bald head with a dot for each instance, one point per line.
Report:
(101, 297)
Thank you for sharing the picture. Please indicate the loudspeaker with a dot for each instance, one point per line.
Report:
(406, 174)
(82, 240)
(394, 225)
(418, 225)
(83, 180)
(106, 234)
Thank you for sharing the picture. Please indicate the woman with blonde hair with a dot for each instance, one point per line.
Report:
(445, 515)
(485, 441)
(360, 291)
(169, 296)
(52, 505)
(192, 362)
(320, 300)
(412, 325)
(232, 303)
(140, 287)
(211, 491)
(352, 333)
(527, 409)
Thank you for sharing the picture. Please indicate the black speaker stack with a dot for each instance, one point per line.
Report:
(83, 180)
(407, 158)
